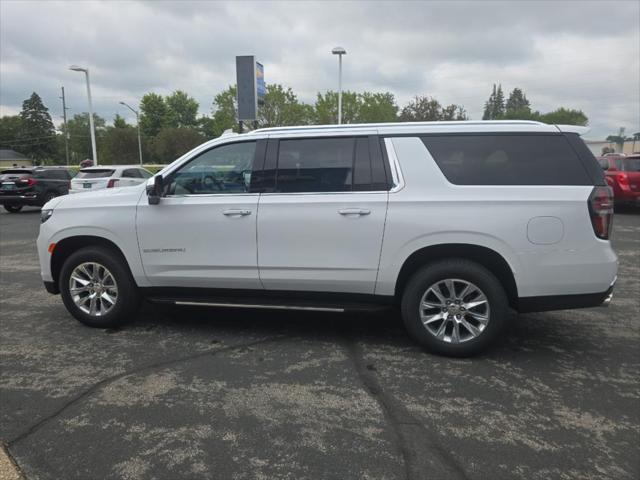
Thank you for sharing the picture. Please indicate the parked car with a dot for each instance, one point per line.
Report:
(623, 176)
(32, 186)
(454, 222)
(95, 178)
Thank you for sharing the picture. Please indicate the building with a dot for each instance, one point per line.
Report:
(11, 158)
(627, 148)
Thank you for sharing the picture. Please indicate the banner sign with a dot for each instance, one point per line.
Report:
(260, 85)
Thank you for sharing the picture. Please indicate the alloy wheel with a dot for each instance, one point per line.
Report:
(454, 310)
(93, 288)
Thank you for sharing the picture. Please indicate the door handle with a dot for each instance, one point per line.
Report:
(236, 212)
(354, 211)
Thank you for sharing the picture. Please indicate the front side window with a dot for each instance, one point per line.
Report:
(315, 165)
(223, 169)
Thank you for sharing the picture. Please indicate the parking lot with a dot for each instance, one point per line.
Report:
(222, 393)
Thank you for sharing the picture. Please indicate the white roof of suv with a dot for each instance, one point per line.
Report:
(435, 127)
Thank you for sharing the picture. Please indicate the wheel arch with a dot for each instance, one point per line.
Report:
(65, 247)
(488, 258)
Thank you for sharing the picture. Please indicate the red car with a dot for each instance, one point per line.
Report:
(623, 176)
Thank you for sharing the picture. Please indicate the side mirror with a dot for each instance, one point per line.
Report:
(155, 191)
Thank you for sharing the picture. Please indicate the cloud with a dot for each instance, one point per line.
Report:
(577, 54)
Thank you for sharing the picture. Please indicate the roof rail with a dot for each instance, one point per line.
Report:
(397, 124)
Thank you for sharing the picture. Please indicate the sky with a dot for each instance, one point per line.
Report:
(577, 54)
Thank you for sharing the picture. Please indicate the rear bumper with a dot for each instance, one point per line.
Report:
(565, 302)
(28, 199)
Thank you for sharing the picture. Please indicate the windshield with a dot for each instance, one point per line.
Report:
(631, 164)
(93, 173)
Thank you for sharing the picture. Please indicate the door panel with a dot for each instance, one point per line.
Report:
(200, 241)
(203, 231)
(321, 242)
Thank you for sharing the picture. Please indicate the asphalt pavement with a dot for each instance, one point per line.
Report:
(243, 394)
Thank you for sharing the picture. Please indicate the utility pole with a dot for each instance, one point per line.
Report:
(66, 133)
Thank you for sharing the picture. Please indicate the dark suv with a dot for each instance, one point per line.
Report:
(32, 186)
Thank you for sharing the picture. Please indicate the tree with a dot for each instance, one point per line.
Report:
(205, 127)
(428, 109)
(564, 116)
(10, 132)
(494, 107)
(119, 146)
(281, 107)
(182, 110)
(618, 139)
(80, 135)
(517, 106)
(37, 130)
(119, 122)
(326, 108)
(172, 143)
(225, 108)
(153, 114)
(377, 107)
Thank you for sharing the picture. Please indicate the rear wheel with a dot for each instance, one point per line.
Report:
(49, 196)
(97, 288)
(454, 307)
(13, 208)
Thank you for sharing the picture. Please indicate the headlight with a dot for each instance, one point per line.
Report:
(45, 215)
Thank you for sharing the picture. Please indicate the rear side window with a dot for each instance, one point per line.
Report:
(102, 173)
(507, 159)
(315, 165)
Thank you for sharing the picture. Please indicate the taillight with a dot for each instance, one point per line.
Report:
(601, 211)
(112, 183)
(623, 181)
(29, 182)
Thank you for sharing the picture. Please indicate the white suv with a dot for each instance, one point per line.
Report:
(108, 176)
(454, 222)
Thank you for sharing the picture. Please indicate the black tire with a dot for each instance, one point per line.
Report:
(49, 196)
(128, 297)
(13, 208)
(455, 269)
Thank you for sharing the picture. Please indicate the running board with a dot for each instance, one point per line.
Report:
(255, 305)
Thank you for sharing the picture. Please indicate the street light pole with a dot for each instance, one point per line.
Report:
(339, 51)
(76, 68)
(138, 124)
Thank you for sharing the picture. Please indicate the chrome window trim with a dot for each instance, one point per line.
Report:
(200, 195)
(396, 172)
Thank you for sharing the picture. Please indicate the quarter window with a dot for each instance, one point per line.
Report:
(507, 159)
(224, 169)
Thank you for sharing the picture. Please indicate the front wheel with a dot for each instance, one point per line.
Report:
(97, 288)
(454, 307)
(13, 208)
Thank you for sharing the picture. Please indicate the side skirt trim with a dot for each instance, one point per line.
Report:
(248, 305)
